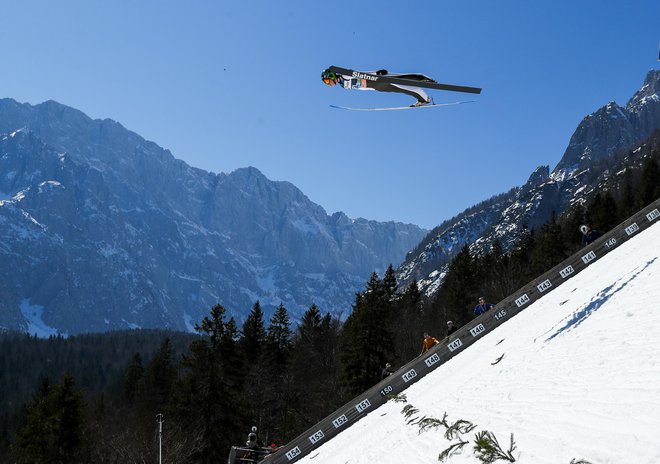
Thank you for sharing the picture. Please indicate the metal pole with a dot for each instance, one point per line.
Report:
(159, 419)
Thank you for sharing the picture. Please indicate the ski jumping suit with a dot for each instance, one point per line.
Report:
(349, 82)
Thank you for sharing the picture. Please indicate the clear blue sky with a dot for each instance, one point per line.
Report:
(225, 85)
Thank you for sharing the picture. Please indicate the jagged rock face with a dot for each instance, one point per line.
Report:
(102, 230)
(599, 136)
(613, 128)
(427, 264)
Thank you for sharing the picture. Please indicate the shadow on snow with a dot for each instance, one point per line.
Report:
(581, 315)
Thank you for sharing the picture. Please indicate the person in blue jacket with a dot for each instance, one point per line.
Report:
(482, 307)
(588, 234)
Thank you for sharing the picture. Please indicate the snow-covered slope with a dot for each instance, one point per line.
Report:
(579, 378)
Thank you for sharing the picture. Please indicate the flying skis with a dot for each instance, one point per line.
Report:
(394, 108)
(383, 81)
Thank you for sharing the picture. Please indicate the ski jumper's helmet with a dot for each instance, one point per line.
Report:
(327, 76)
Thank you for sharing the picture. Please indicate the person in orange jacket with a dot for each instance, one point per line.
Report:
(428, 343)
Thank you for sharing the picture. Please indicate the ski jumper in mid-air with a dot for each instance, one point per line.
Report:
(383, 81)
(332, 78)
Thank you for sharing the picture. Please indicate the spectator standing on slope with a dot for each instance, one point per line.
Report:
(451, 328)
(253, 441)
(428, 343)
(588, 234)
(482, 307)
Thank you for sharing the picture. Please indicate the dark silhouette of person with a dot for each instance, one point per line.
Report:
(589, 234)
(387, 370)
(253, 441)
(451, 328)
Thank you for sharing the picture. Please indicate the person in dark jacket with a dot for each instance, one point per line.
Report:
(387, 371)
(451, 328)
(589, 234)
(482, 307)
(253, 441)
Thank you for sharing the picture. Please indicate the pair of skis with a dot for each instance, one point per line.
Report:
(429, 105)
(413, 80)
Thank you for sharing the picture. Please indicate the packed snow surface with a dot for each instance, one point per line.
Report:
(579, 378)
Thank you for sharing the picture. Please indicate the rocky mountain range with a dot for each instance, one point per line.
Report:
(101, 230)
(600, 136)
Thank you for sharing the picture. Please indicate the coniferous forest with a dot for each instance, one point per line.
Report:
(95, 397)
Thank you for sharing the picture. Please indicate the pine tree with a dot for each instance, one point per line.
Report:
(602, 212)
(327, 346)
(278, 340)
(54, 430)
(277, 389)
(570, 227)
(366, 339)
(499, 280)
(549, 248)
(313, 366)
(159, 377)
(390, 284)
(254, 335)
(133, 379)
(306, 369)
(207, 402)
(649, 183)
(33, 442)
(408, 314)
(252, 344)
(628, 203)
(69, 410)
(521, 256)
(459, 289)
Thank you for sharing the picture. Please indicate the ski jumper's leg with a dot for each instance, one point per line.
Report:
(416, 92)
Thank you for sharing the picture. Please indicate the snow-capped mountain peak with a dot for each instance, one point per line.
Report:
(610, 130)
(105, 230)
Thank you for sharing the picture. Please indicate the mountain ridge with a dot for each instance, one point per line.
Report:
(110, 231)
(600, 136)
